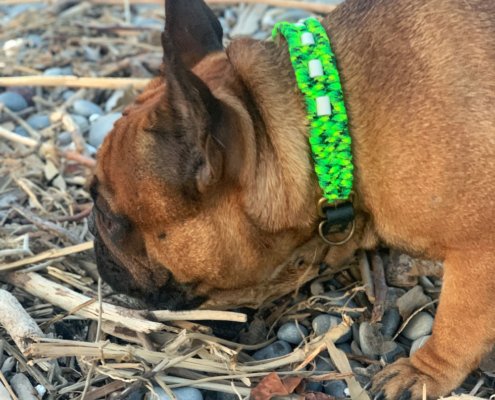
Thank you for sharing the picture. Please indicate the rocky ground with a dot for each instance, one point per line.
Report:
(48, 140)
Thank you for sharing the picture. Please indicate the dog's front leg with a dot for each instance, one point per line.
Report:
(464, 331)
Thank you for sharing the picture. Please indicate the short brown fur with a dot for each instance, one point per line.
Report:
(419, 84)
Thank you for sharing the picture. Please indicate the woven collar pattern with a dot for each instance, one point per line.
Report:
(318, 79)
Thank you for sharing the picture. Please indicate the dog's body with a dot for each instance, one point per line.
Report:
(206, 185)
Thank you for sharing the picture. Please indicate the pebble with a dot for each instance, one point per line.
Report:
(64, 139)
(324, 322)
(418, 343)
(335, 388)
(345, 347)
(390, 322)
(101, 128)
(81, 122)
(292, 332)
(39, 121)
(86, 108)
(148, 22)
(392, 351)
(225, 396)
(312, 386)
(276, 349)
(420, 325)
(13, 101)
(21, 131)
(370, 339)
(181, 394)
(8, 365)
(324, 365)
(34, 40)
(57, 71)
(68, 94)
(411, 301)
(18, 9)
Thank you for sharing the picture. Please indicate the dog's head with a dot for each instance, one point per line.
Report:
(197, 196)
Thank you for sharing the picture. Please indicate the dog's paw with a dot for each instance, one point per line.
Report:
(402, 381)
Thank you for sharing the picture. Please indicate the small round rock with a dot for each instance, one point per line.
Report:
(335, 388)
(180, 393)
(418, 343)
(390, 322)
(13, 101)
(276, 349)
(86, 108)
(38, 121)
(292, 332)
(81, 122)
(101, 128)
(21, 131)
(420, 325)
(324, 322)
(57, 71)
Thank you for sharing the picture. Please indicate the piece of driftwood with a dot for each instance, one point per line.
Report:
(74, 82)
(78, 303)
(46, 255)
(302, 5)
(380, 286)
(17, 322)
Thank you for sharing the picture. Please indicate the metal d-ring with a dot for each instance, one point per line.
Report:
(340, 243)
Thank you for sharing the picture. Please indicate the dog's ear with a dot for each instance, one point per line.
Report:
(191, 31)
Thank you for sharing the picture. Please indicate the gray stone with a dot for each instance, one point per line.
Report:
(86, 108)
(324, 365)
(390, 322)
(225, 396)
(185, 393)
(411, 301)
(68, 94)
(312, 386)
(13, 101)
(345, 347)
(324, 322)
(64, 139)
(276, 349)
(39, 121)
(148, 22)
(418, 343)
(420, 325)
(57, 71)
(370, 339)
(101, 128)
(18, 9)
(21, 131)
(81, 122)
(34, 40)
(335, 388)
(392, 351)
(292, 332)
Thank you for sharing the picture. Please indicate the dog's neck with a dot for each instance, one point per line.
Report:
(282, 169)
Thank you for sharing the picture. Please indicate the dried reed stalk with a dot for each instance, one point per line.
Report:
(46, 255)
(75, 82)
(79, 304)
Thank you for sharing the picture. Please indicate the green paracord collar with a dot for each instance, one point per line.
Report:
(318, 79)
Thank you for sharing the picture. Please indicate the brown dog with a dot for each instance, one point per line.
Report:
(205, 191)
